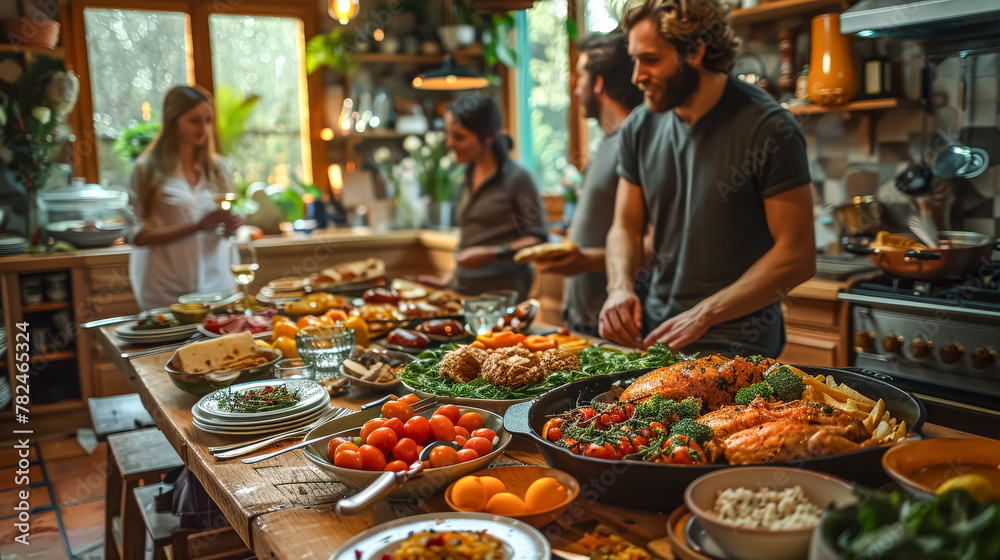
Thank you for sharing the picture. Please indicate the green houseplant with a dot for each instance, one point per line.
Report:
(134, 139)
(330, 49)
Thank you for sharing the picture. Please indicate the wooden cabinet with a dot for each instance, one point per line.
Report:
(816, 325)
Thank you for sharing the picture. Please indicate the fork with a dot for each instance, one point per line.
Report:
(242, 448)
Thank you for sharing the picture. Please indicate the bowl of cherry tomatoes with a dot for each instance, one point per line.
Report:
(394, 440)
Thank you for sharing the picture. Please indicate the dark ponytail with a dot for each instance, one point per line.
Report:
(480, 114)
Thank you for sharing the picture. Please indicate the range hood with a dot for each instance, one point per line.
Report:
(922, 19)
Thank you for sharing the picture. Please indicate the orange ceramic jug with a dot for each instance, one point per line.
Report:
(833, 79)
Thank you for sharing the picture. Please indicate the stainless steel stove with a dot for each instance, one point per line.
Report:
(939, 339)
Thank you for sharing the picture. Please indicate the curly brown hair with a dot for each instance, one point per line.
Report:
(686, 24)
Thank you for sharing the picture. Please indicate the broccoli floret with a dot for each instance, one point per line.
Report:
(693, 430)
(749, 393)
(785, 384)
(755, 360)
(658, 408)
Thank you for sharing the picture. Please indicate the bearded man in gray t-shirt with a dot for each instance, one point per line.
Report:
(720, 172)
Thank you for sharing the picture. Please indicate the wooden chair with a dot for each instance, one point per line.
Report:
(170, 541)
(135, 459)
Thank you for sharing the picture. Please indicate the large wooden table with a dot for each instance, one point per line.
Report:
(284, 507)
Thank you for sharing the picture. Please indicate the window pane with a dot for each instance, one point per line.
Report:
(134, 56)
(602, 16)
(261, 56)
(548, 98)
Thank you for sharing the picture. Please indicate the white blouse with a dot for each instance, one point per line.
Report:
(195, 263)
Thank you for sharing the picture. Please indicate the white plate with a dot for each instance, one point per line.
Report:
(224, 297)
(311, 393)
(273, 426)
(126, 330)
(314, 412)
(210, 334)
(521, 541)
(248, 432)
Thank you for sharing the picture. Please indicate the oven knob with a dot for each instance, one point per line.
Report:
(864, 342)
(893, 343)
(951, 353)
(982, 357)
(920, 347)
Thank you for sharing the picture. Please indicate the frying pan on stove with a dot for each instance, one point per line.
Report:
(660, 486)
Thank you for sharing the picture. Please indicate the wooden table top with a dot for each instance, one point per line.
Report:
(284, 507)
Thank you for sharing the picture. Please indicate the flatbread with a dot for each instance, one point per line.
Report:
(544, 251)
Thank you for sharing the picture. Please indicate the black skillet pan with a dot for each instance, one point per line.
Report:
(660, 486)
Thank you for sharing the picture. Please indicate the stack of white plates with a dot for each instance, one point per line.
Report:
(313, 402)
(12, 244)
(127, 334)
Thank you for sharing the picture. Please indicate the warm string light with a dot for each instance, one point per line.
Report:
(336, 177)
(326, 134)
(343, 10)
(146, 111)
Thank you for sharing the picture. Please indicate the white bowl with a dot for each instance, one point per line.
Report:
(763, 544)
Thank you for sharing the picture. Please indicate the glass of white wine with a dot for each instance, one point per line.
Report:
(224, 201)
(244, 267)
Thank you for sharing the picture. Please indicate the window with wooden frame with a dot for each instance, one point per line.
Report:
(128, 54)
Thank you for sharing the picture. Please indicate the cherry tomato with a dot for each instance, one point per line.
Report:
(370, 426)
(409, 399)
(384, 439)
(348, 460)
(606, 419)
(405, 450)
(646, 433)
(657, 427)
(396, 409)
(460, 431)
(461, 439)
(617, 416)
(549, 424)
(418, 429)
(609, 451)
(588, 413)
(442, 456)
(348, 446)
(467, 455)
(451, 411)
(396, 425)
(629, 410)
(482, 446)
(396, 466)
(471, 421)
(625, 447)
(372, 458)
(485, 433)
(308, 321)
(639, 441)
(331, 448)
(554, 434)
(442, 428)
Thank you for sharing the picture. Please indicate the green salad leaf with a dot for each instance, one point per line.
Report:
(422, 373)
(952, 526)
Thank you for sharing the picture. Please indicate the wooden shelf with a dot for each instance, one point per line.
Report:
(57, 52)
(43, 307)
(48, 408)
(53, 357)
(861, 105)
(769, 11)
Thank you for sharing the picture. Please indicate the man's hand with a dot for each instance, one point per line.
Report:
(681, 330)
(476, 257)
(573, 262)
(621, 318)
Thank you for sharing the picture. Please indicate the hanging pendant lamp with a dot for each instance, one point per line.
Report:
(450, 77)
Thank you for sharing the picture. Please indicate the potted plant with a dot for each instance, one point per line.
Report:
(437, 175)
(330, 49)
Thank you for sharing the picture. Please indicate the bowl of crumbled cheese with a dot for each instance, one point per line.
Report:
(764, 513)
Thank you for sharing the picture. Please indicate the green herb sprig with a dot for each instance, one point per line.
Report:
(252, 401)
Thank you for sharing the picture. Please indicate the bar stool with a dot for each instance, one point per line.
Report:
(135, 459)
(170, 541)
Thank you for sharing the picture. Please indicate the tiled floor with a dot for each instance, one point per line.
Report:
(66, 501)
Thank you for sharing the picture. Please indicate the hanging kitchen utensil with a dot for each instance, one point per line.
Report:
(915, 180)
(956, 160)
(925, 230)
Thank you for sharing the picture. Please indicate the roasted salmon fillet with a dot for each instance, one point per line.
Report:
(713, 379)
(731, 419)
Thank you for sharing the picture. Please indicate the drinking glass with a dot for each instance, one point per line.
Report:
(482, 313)
(244, 267)
(294, 368)
(325, 348)
(224, 201)
(508, 297)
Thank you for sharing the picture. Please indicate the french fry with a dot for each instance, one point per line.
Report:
(875, 416)
(881, 431)
(797, 371)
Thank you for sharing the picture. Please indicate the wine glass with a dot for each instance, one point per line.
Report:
(244, 267)
(224, 201)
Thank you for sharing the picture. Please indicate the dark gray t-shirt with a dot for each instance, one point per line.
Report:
(504, 209)
(704, 187)
(584, 294)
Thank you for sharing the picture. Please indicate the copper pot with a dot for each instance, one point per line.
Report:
(960, 253)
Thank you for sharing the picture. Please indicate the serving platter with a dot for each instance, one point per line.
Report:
(520, 540)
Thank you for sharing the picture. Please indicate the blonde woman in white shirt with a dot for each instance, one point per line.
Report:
(175, 222)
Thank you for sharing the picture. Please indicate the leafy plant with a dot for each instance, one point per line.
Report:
(329, 49)
(232, 112)
(497, 47)
(437, 175)
(134, 139)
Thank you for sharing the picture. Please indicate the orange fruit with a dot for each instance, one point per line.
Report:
(544, 493)
(493, 486)
(469, 494)
(286, 346)
(506, 503)
(286, 329)
(308, 321)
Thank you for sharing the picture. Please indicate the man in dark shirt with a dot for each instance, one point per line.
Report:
(606, 93)
(720, 171)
